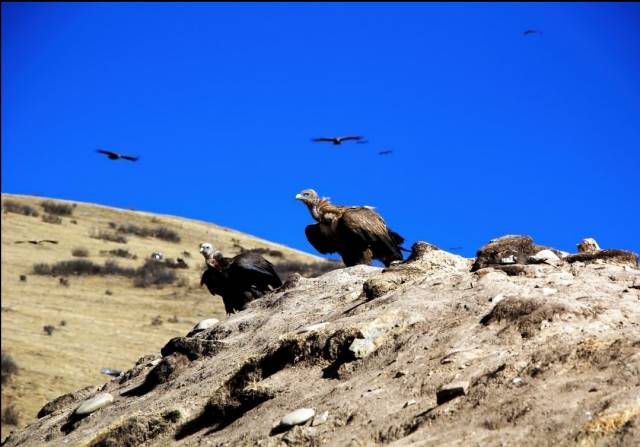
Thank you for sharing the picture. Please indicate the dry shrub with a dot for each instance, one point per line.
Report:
(10, 206)
(120, 253)
(156, 321)
(10, 415)
(50, 218)
(153, 273)
(608, 424)
(80, 252)
(8, 367)
(107, 236)
(306, 269)
(59, 209)
(163, 233)
(526, 313)
(48, 329)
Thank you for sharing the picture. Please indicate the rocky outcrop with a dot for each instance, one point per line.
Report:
(434, 351)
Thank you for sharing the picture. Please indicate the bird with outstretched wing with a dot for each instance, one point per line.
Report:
(337, 140)
(115, 156)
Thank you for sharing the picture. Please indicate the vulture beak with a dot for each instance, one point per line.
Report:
(298, 197)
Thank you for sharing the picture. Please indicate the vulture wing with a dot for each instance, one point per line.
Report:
(318, 140)
(49, 240)
(252, 270)
(128, 157)
(351, 137)
(364, 227)
(321, 238)
(113, 154)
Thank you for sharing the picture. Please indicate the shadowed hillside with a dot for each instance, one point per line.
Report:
(89, 301)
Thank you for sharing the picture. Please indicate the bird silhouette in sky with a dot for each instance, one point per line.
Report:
(115, 156)
(338, 140)
(385, 152)
(531, 31)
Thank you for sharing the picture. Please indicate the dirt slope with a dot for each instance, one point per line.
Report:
(100, 330)
(423, 353)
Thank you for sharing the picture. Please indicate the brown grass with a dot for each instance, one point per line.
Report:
(525, 313)
(102, 330)
(609, 424)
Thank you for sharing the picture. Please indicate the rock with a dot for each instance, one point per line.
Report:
(545, 256)
(613, 256)
(451, 391)
(206, 324)
(409, 403)
(496, 299)
(517, 381)
(636, 284)
(320, 419)
(588, 245)
(297, 417)
(508, 260)
(313, 328)
(546, 291)
(95, 403)
(362, 347)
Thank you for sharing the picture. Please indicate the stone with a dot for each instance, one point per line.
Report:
(362, 347)
(517, 381)
(588, 245)
(508, 260)
(320, 419)
(636, 284)
(409, 403)
(451, 391)
(545, 256)
(297, 417)
(313, 328)
(95, 403)
(206, 324)
(546, 291)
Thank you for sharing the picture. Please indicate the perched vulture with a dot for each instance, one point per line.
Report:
(337, 140)
(238, 280)
(115, 156)
(357, 233)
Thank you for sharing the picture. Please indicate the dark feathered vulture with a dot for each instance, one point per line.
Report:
(337, 140)
(357, 233)
(238, 280)
(115, 156)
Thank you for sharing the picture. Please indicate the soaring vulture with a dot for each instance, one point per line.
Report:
(115, 156)
(238, 280)
(357, 233)
(39, 242)
(337, 140)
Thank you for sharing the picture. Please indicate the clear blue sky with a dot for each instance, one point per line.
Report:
(493, 132)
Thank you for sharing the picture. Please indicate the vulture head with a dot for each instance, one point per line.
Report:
(309, 197)
(207, 250)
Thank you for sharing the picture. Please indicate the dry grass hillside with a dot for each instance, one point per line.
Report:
(99, 320)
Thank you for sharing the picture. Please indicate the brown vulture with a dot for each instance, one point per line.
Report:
(238, 280)
(337, 140)
(115, 156)
(357, 233)
(42, 241)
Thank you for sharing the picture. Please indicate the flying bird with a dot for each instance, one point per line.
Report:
(39, 242)
(115, 156)
(338, 140)
(238, 280)
(357, 233)
(385, 152)
(531, 31)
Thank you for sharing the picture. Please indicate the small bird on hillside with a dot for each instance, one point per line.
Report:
(386, 152)
(338, 140)
(531, 31)
(115, 156)
(40, 242)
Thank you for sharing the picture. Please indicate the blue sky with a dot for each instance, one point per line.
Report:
(492, 132)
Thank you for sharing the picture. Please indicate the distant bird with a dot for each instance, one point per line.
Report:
(238, 280)
(111, 372)
(385, 152)
(531, 31)
(115, 156)
(40, 242)
(338, 140)
(357, 233)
